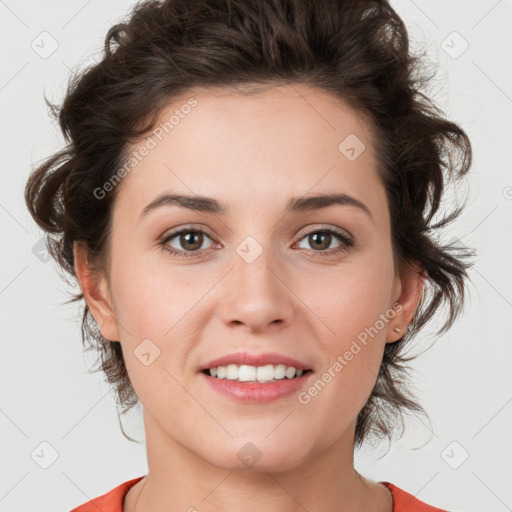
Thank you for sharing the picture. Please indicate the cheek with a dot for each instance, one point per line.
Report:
(352, 306)
(157, 313)
(151, 298)
(353, 355)
(352, 299)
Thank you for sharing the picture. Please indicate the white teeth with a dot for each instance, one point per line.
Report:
(247, 373)
(231, 372)
(280, 371)
(265, 373)
(290, 372)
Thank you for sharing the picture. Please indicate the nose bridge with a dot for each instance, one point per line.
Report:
(255, 265)
(256, 294)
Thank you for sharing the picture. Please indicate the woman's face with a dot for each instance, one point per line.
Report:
(260, 279)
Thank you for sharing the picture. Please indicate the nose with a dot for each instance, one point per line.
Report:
(256, 294)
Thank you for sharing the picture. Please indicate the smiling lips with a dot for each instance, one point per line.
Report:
(256, 378)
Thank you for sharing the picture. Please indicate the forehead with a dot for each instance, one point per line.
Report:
(246, 149)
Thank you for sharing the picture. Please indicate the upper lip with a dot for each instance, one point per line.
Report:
(240, 358)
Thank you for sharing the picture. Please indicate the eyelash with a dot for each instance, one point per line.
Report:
(346, 243)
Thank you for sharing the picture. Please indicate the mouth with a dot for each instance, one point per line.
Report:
(257, 385)
(256, 374)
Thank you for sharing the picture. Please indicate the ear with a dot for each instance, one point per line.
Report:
(407, 293)
(96, 293)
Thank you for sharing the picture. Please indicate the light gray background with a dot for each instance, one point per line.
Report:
(464, 381)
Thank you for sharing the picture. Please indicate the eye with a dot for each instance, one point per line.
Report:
(321, 240)
(190, 240)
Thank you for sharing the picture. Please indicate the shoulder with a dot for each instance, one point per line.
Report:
(112, 501)
(405, 502)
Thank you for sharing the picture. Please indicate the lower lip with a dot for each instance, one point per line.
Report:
(255, 392)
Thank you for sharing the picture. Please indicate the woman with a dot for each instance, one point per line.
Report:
(247, 201)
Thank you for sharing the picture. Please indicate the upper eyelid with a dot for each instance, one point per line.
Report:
(186, 229)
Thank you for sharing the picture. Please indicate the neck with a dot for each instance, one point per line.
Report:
(180, 479)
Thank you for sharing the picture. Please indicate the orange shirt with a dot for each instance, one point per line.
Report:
(112, 501)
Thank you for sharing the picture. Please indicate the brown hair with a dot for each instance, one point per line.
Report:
(358, 50)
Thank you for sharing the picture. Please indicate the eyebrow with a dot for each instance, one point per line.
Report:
(211, 205)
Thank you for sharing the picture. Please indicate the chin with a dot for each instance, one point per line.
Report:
(258, 456)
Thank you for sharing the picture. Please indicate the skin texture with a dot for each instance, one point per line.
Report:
(254, 153)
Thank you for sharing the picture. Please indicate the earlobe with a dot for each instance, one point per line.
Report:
(94, 286)
(411, 286)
